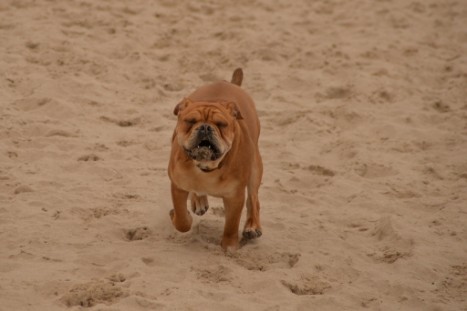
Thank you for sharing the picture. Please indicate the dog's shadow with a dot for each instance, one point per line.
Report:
(208, 231)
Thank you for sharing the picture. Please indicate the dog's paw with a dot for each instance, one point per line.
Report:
(200, 211)
(230, 244)
(182, 224)
(250, 233)
(199, 204)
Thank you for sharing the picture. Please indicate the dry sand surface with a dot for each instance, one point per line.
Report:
(364, 140)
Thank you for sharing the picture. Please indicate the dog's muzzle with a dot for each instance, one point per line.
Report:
(204, 147)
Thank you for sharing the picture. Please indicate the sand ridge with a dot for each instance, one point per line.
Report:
(363, 113)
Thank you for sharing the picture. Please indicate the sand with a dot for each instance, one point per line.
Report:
(364, 125)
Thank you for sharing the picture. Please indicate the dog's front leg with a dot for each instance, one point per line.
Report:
(181, 217)
(233, 211)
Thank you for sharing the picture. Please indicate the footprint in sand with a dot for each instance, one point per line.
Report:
(98, 148)
(216, 274)
(319, 170)
(149, 261)
(126, 143)
(373, 170)
(126, 196)
(60, 133)
(338, 92)
(307, 286)
(12, 154)
(95, 213)
(262, 262)
(335, 93)
(382, 96)
(284, 120)
(23, 189)
(89, 157)
(117, 278)
(137, 234)
(441, 107)
(90, 294)
(100, 212)
(390, 245)
(122, 122)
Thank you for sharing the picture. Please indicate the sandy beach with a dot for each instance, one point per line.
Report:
(363, 108)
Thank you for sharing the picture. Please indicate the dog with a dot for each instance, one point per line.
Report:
(215, 152)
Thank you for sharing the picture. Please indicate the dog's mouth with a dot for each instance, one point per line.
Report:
(206, 143)
(204, 150)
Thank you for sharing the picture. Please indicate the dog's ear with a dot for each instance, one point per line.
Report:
(182, 105)
(233, 108)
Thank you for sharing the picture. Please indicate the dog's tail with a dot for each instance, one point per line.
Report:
(237, 77)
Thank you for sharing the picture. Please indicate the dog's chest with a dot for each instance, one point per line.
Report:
(207, 183)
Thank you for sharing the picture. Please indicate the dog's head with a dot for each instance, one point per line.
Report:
(206, 130)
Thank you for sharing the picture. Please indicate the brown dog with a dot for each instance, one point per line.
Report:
(215, 152)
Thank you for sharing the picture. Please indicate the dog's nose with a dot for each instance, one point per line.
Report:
(205, 129)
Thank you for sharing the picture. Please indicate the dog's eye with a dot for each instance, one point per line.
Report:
(190, 122)
(221, 125)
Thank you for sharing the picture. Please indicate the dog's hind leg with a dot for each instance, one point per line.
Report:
(199, 203)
